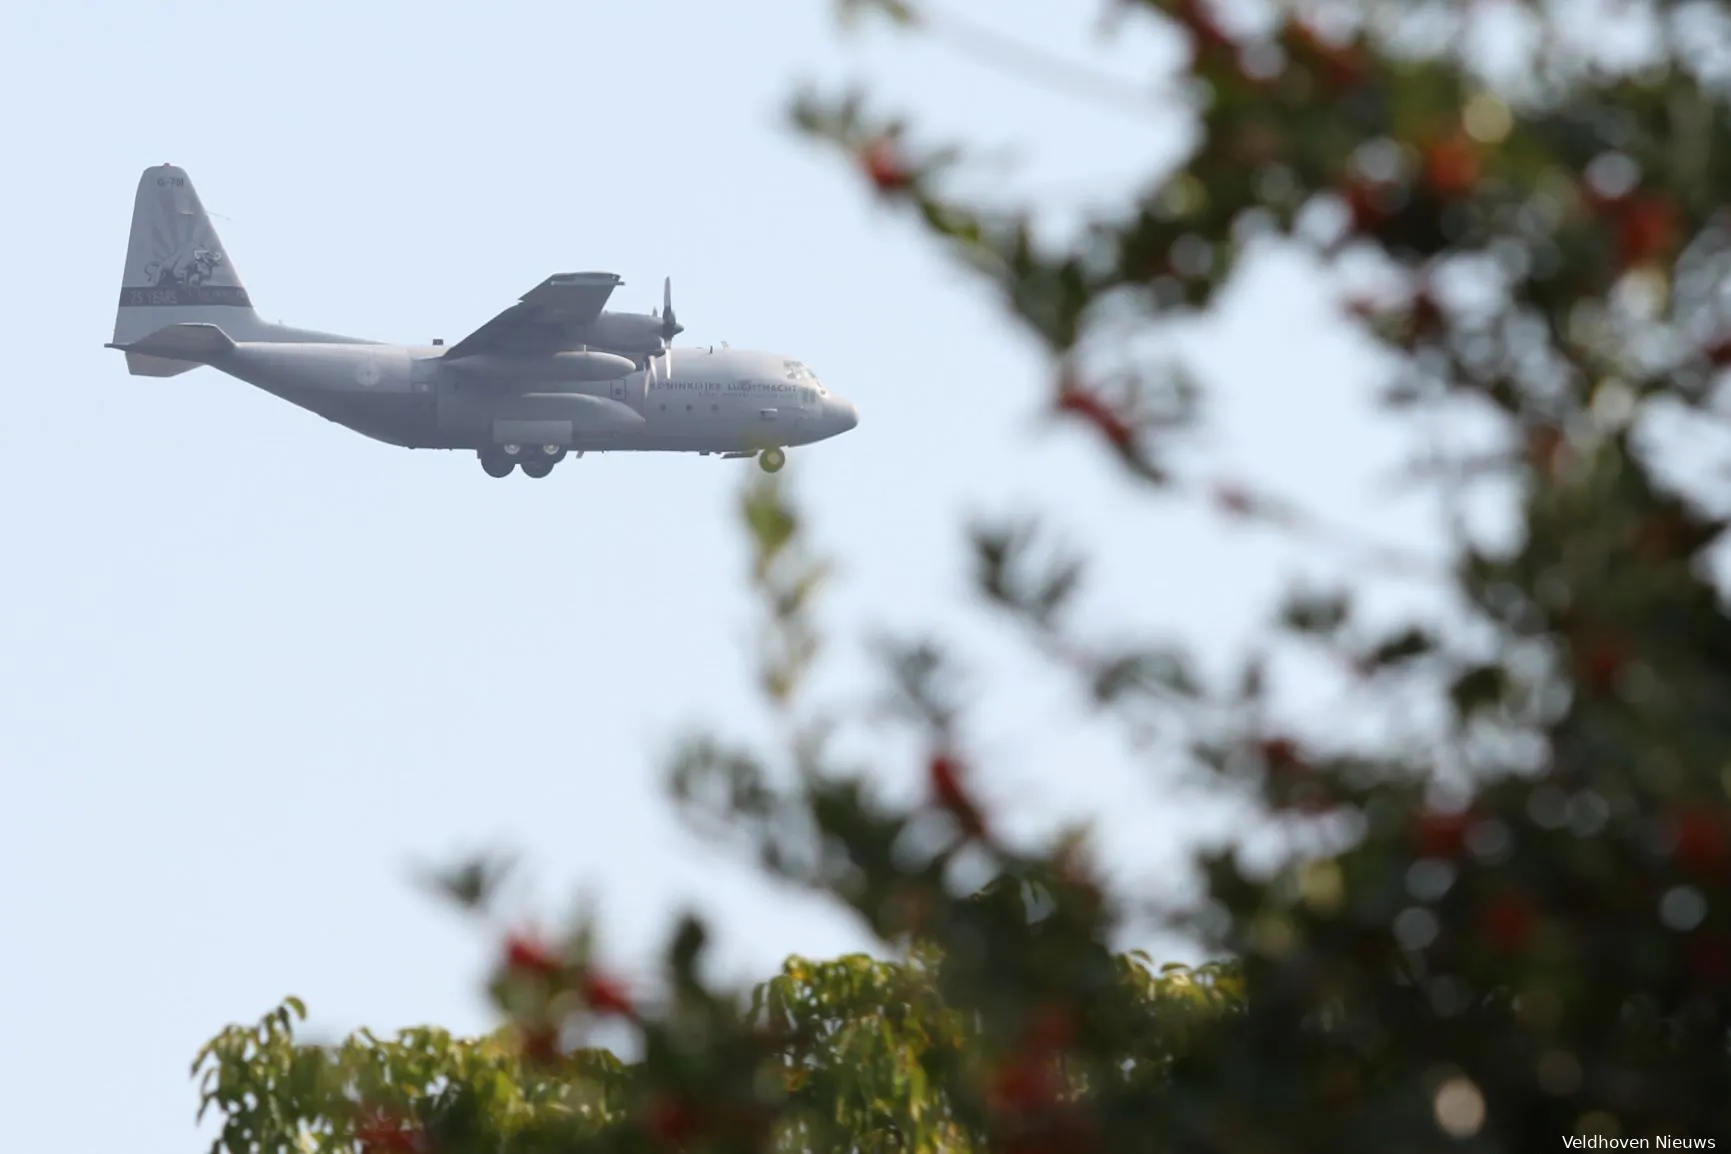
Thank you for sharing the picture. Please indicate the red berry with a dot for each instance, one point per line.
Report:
(541, 1045)
(1280, 754)
(1710, 961)
(1701, 842)
(380, 1133)
(1600, 662)
(945, 775)
(1508, 923)
(1364, 203)
(1234, 499)
(606, 996)
(523, 952)
(1088, 405)
(671, 1120)
(1440, 835)
(1365, 309)
(1021, 1085)
(1647, 230)
(1545, 445)
(1452, 166)
(1427, 314)
(1052, 1028)
(884, 165)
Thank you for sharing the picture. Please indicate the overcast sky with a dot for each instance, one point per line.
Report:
(254, 666)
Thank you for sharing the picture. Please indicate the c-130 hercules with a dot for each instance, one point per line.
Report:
(551, 375)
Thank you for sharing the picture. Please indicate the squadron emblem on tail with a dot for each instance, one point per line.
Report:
(182, 268)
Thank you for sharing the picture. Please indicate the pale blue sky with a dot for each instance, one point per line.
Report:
(255, 665)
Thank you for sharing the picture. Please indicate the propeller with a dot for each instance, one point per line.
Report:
(670, 326)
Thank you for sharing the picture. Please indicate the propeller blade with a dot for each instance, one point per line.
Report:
(670, 326)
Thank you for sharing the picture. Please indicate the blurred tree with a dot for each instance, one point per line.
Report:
(854, 1054)
(1543, 955)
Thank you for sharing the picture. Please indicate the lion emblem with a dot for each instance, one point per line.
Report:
(189, 270)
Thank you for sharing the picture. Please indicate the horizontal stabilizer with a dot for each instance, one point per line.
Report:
(139, 365)
(197, 342)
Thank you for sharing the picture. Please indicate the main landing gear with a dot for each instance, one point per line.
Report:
(536, 463)
(771, 460)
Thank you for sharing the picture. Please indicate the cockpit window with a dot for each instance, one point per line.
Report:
(798, 371)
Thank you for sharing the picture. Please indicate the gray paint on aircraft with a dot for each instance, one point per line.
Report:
(555, 372)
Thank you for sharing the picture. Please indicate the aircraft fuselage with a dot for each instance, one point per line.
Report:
(710, 400)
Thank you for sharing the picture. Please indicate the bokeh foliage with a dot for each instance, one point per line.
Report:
(1545, 953)
(855, 1053)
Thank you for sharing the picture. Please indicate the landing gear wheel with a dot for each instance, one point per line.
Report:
(497, 466)
(772, 460)
(554, 453)
(537, 468)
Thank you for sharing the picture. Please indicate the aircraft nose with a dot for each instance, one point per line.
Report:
(846, 414)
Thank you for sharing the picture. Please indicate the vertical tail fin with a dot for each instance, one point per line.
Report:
(176, 272)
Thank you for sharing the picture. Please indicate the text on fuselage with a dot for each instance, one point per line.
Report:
(729, 387)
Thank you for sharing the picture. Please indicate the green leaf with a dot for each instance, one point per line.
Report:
(1319, 613)
(1404, 646)
(1478, 688)
(1163, 672)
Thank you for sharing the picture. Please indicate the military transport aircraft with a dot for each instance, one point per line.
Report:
(553, 374)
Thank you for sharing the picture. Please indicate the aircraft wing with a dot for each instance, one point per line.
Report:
(549, 317)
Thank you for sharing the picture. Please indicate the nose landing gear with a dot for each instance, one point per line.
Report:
(771, 460)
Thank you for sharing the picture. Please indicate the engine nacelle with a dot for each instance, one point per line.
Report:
(633, 332)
